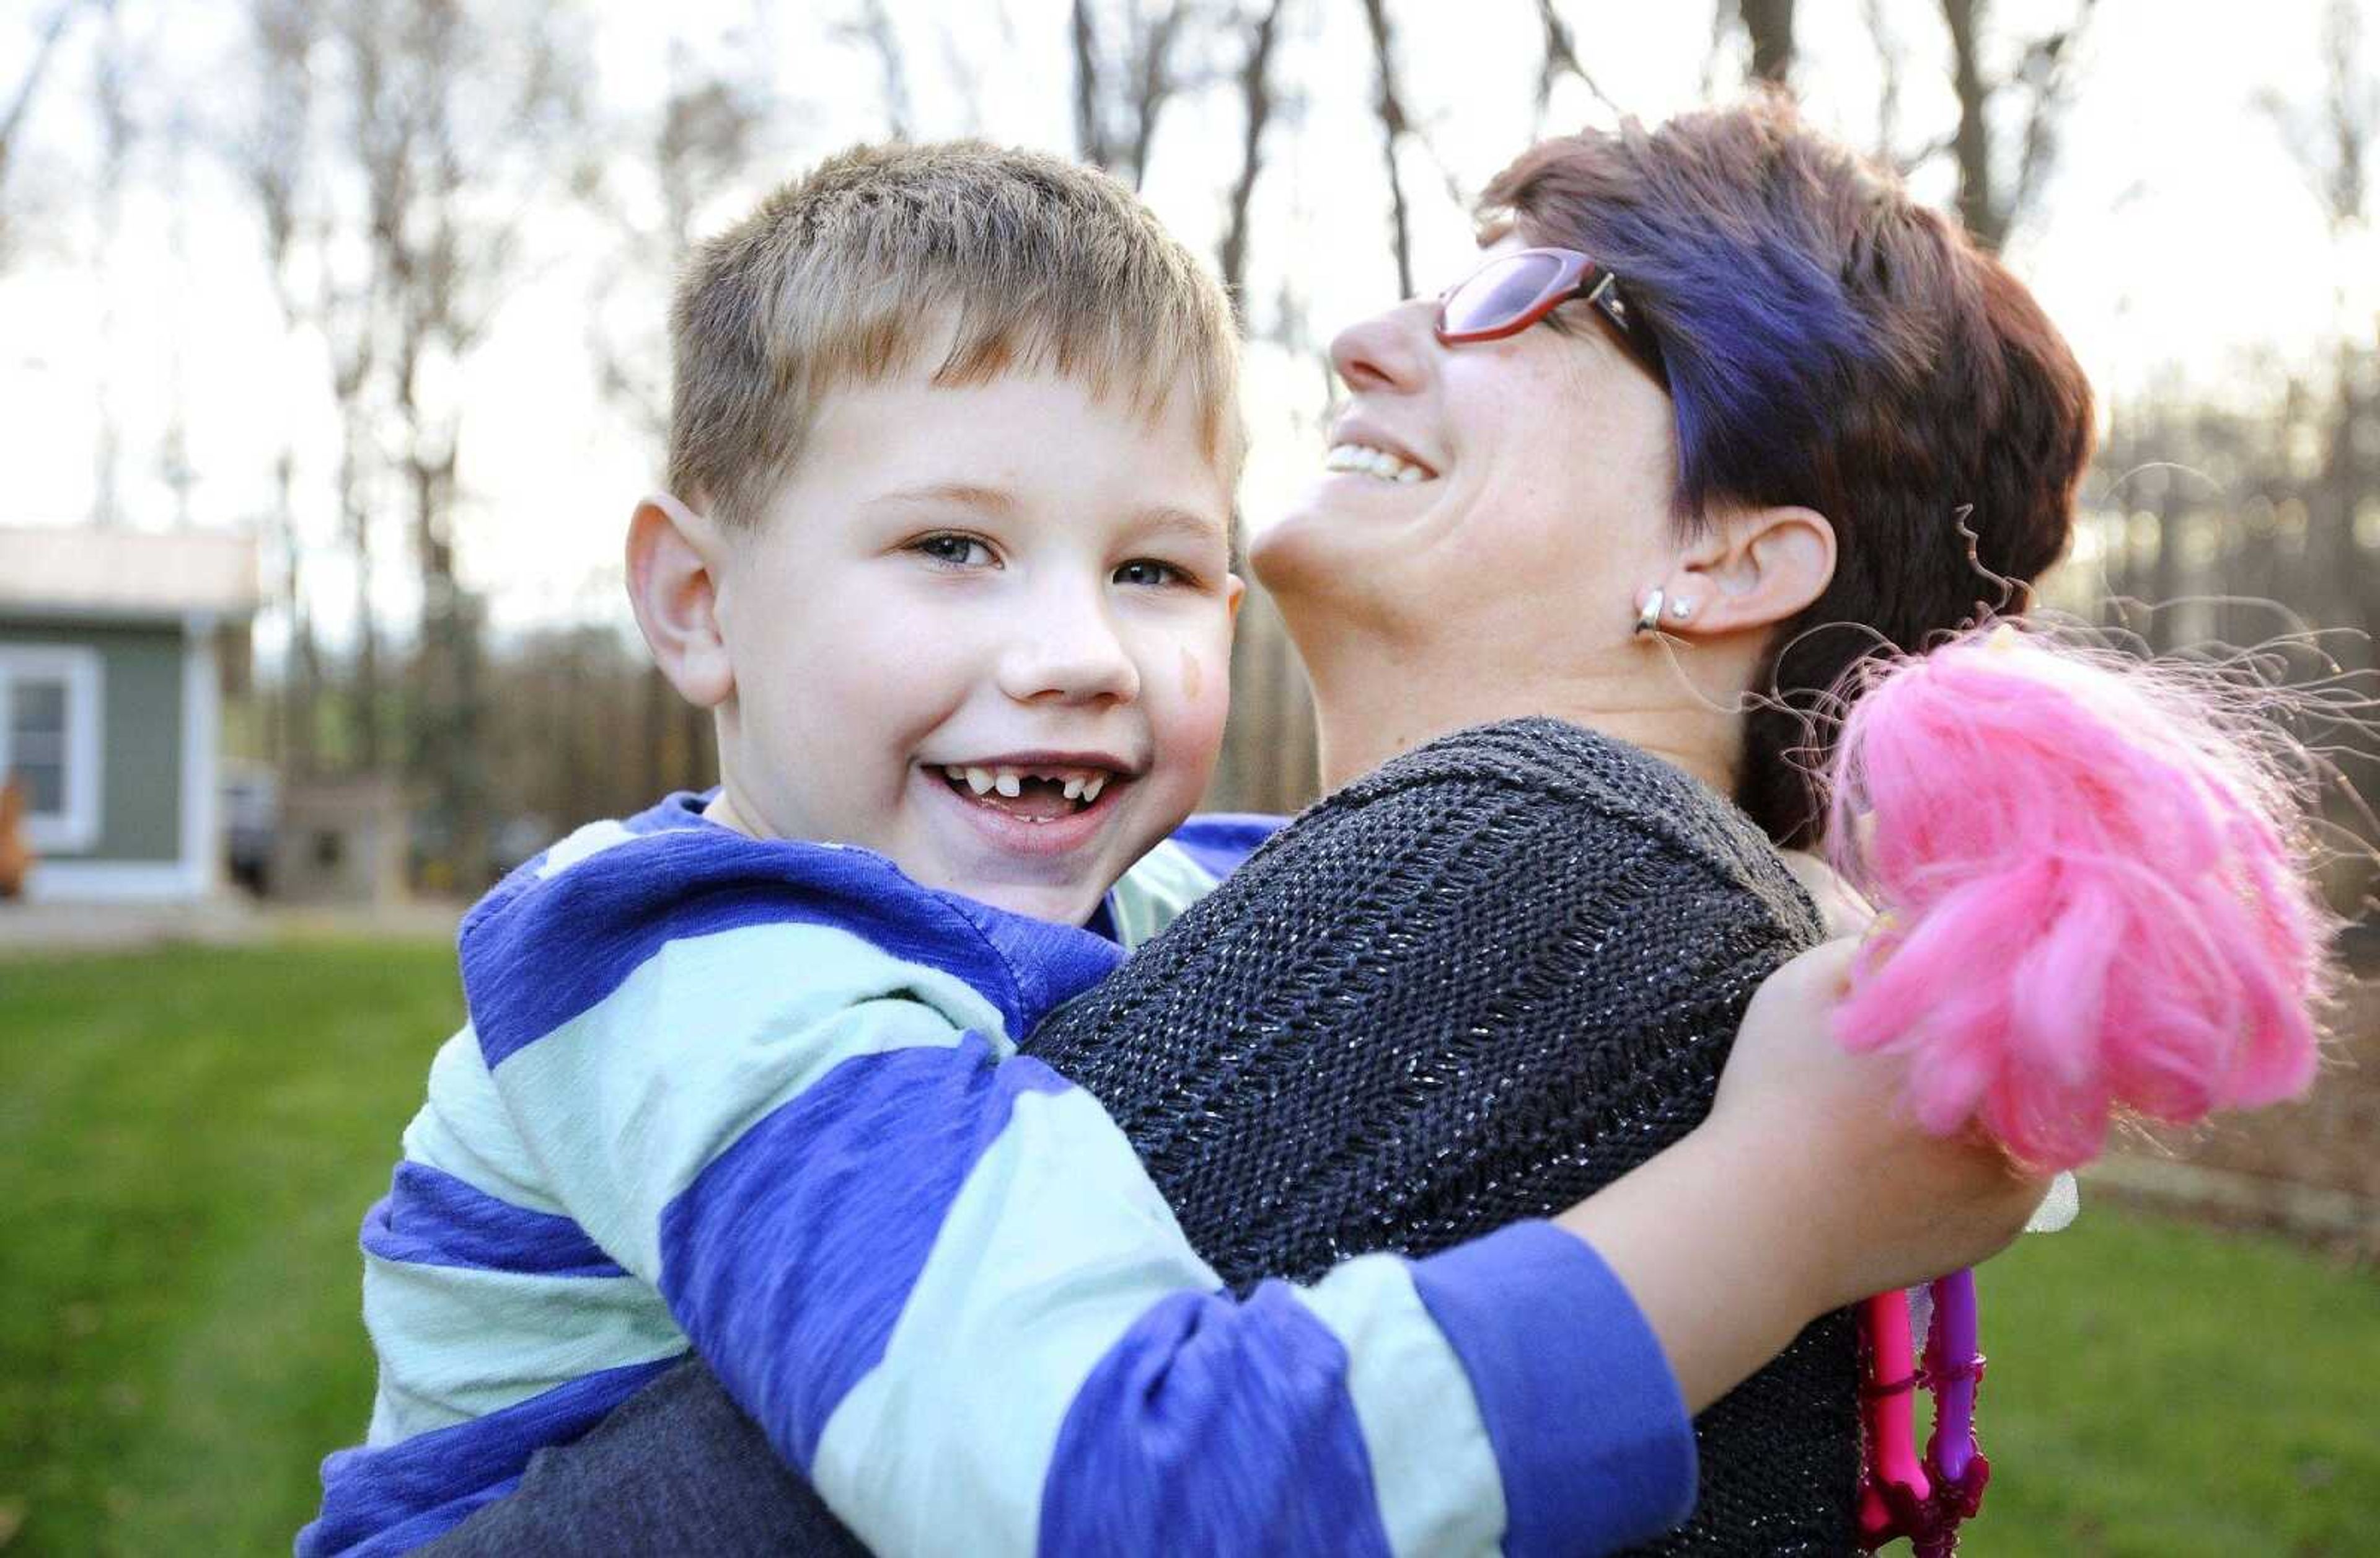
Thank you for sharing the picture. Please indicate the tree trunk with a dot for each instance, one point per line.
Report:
(2167, 583)
(1770, 24)
(1972, 145)
(21, 102)
(1390, 105)
(1256, 97)
(363, 693)
(1090, 133)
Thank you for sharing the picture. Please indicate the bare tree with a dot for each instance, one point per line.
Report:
(273, 151)
(872, 27)
(2333, 145)
(705, 134)
(111, 101)
(1255, 98)
(1889, 65)
(1561, 58)
(1770, 25)
(1090, 124)
(21, 105)
(1387, 101)
(2044, 79)
(453, 117)
(1120, 99)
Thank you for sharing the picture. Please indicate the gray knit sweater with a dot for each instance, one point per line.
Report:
(1476, 985)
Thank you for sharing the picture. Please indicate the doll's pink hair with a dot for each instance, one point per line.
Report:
(2094, 898)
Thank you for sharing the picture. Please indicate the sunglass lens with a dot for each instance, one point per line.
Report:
(1500, 292)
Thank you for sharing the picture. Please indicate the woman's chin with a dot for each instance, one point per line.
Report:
(1314, 539)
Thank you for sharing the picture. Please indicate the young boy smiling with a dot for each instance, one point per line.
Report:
(984, 631)
(953, 452)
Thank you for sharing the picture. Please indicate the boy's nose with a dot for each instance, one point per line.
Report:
(1068, 657)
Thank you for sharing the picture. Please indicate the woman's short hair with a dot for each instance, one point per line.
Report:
(1832, 344)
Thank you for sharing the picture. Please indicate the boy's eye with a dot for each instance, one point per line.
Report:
(1148, 573)
(953, 551)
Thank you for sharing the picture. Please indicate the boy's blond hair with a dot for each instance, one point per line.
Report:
(1020, 261)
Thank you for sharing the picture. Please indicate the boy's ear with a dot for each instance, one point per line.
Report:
(674, 556)
(1754, 570)
(1234, 592)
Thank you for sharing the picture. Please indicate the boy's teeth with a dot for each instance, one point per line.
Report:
(1076, 784)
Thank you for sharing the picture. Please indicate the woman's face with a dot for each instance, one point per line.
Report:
(1520, 487)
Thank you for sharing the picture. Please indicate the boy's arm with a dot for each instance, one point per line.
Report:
(1727, 1240)
(944, 1287)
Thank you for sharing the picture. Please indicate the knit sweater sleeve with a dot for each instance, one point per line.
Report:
(942, 1285)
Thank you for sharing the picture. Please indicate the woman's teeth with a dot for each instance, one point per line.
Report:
(1076, 784)
(1367, 461)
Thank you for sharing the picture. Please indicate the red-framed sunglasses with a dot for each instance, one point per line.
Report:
(1511, 291)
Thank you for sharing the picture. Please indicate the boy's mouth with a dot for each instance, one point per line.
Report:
(1029, 794)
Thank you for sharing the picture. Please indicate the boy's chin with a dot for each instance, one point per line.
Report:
(1058, 903)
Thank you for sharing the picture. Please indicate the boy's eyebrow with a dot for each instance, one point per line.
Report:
(1184, 521)
(1160, 517)
(965, 494)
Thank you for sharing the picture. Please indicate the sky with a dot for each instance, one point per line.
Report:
(2178, 243)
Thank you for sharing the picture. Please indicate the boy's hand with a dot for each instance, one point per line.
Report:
(1883, 1204)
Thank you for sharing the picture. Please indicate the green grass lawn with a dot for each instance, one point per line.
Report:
(192, 1135)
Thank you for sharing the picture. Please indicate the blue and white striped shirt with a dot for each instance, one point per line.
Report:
(761, 1098)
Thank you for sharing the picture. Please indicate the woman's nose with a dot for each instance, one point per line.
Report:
(1386, 351)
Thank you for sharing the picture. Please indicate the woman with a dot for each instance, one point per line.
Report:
(1719, 410)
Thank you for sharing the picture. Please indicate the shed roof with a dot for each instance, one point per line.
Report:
(87, 570)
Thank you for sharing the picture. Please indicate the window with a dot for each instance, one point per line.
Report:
(48, 740)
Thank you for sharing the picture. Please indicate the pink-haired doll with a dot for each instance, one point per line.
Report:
(2094, 905)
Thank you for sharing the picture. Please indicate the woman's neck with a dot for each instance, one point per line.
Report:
(1374, 701)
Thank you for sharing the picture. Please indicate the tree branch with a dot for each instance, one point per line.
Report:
(1562, 57)
(1256, 95)
(1390, 105)
(1090, 133)
(872, 27)
(21, 101)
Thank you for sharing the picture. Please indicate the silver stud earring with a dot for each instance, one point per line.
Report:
(1680, 610)
(1648, 613)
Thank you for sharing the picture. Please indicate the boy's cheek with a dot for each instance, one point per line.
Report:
(1202, 679)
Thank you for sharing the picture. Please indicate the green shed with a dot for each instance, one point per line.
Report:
(110, 704)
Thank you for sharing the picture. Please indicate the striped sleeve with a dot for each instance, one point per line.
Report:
(939, 1279)
(1183, 869)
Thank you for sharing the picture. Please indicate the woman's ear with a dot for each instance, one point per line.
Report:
(674, 556)
(1754, 570)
